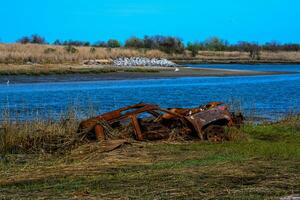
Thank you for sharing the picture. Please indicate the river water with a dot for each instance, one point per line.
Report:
(269, 97)
(262, 67)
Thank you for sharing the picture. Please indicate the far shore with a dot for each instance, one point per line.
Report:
(242, 62)
(96, 73)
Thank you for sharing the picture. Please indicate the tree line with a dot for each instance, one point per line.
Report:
(171, 45)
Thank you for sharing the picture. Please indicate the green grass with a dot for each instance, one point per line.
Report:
(31, 71)
(263, 165)
(142, 70)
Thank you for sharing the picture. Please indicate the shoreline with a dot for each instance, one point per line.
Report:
(137, 73)
(241, 62)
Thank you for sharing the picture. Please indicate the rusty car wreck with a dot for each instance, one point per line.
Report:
(150, 122)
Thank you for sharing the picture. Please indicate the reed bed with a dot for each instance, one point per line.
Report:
(39, 135)
(51, 54)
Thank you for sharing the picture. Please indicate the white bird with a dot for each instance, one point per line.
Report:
(177, 69)
(7, 83)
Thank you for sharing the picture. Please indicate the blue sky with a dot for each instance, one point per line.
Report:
(191, 20)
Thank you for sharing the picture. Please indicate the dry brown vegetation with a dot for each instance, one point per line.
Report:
(263, 165)
(242, 57)
(50, 54)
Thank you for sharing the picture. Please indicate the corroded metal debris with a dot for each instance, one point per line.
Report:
(150, 122)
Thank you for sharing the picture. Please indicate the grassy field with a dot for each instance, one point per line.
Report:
(18, 54)
(262, 162)
(59, 69)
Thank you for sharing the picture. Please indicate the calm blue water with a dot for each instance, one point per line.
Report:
(265, 96)
(261, 67)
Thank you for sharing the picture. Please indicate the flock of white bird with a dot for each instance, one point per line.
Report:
(140, 61)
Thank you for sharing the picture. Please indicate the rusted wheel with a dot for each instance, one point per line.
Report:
(216, 133)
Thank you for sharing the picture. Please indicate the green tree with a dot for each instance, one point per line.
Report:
(113, 43)
(194, 48)
(171, 45)
(134, 42)
(255, 52)
(215, 44)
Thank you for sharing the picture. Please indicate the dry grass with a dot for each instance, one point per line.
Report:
(264, 165)
(49, 54)
(37, 136)
(22, 54)
(243, 57)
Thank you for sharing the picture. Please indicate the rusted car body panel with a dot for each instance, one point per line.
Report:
(196, 119)
(217, 116)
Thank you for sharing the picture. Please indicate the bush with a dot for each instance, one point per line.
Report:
(49, 50)
(71, 49)
(134, 42)
(171, 45)
(57, 42)
(100, 44)
(290, 47)
(194, 48)
(93, 50)
(76, 43)
(113, 43)
(151, 42)
(24, 40)
(215, 44)
(255, 52)
(271, 46)
(166, 44)
(252, 48)
(34, 39)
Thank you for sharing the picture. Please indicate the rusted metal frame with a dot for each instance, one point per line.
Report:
(137, 128)
(99, 130)
(117, 113)
(139, 110)
(135, 122)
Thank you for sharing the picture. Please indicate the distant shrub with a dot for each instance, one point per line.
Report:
(255, 52)
(100, 44)
(290, 47)
(152, 42)
(36, 39)
(171, 45)
(215, 44)
(24, 40)
(57, 42)
(49, 50)
(194, 48)
(244, 46)
(92, 50)
(271, 46)
(76, 43)
(134, 42)
(113, 43)
(33, 39)
(70, 49)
